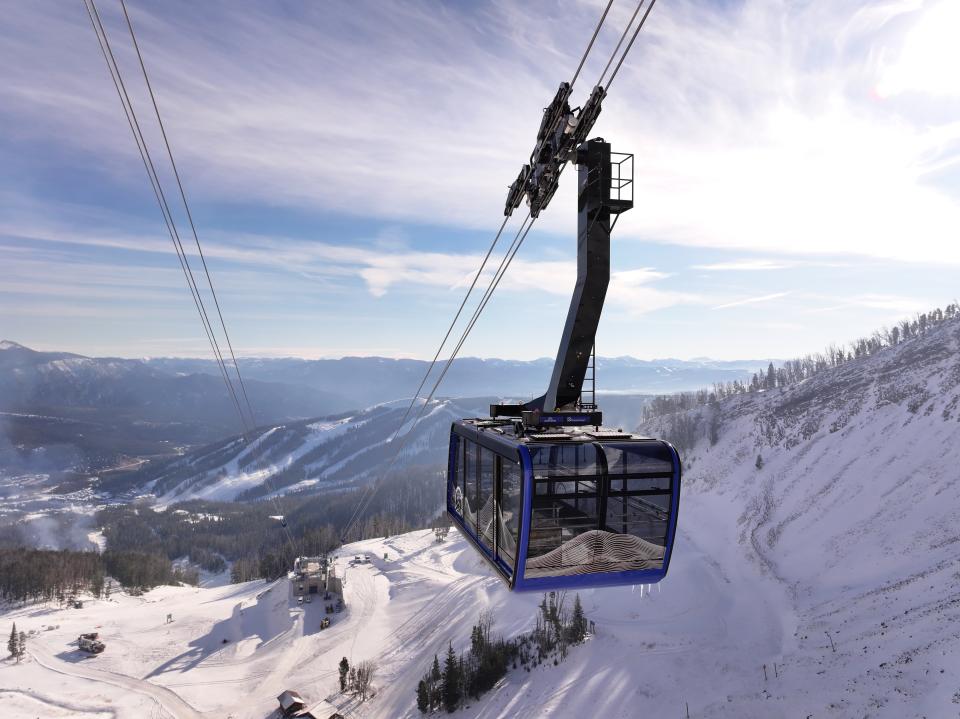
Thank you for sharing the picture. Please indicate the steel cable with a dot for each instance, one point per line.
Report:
(494, 282)
(130, 113)
(635, 33)
(620, 41)
(186, 207)
(145, 156)
(590, 44)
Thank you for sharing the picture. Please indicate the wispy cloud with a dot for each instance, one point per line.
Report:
(745, 266)
(381, 264)
(775, 137)
(896, 305)
(751, 129)
(751, 300)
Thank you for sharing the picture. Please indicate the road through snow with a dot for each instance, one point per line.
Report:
(169, 701)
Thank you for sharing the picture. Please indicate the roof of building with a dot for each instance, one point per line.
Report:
(320, 710)
(289, 699)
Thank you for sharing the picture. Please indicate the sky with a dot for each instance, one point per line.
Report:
(796, 177)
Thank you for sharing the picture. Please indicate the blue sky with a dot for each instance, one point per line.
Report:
(796, 174)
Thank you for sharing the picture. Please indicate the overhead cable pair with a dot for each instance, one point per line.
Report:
(244, 409)
(551, 117)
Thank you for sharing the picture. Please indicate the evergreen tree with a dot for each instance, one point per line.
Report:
(13, 643)
(423, 699)
(476, 640)
(22, 646)
(759, 462)
(436, 679)
(451, 681)
(714, 429)
(578, 622)
(344, 670)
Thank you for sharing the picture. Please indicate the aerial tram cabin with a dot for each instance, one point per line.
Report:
(568, 507)
(547, 496)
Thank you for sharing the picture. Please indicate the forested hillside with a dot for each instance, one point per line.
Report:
(44, 575)
(249, 535)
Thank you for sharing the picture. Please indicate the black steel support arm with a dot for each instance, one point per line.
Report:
(593, 276)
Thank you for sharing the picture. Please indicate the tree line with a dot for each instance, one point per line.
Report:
(791, 372)
(477, 670)
(250, 536)
(47, 575)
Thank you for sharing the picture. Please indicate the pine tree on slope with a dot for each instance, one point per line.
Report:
(13, 644)
(451, 681)
(22, 647)
(436, 677)
(423, 700)
(578, 622)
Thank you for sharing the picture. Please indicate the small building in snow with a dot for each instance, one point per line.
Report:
(291, 703)
(321, 710)
(310, 574)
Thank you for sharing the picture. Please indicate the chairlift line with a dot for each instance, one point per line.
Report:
(369, 491)
(433, 362)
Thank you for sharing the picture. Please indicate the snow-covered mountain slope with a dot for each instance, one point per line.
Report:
(722, 636)
(307, 456)
(855, 511)
(697, 639)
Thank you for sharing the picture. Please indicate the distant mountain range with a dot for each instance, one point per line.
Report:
(365, 381)
(59, 409)
(108, 407)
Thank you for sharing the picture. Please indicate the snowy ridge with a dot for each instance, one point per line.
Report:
(854, 511)
(307, 456)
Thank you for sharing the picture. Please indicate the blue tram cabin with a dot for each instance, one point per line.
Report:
(564, 508)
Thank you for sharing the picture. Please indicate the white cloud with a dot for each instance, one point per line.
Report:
(929, 56)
